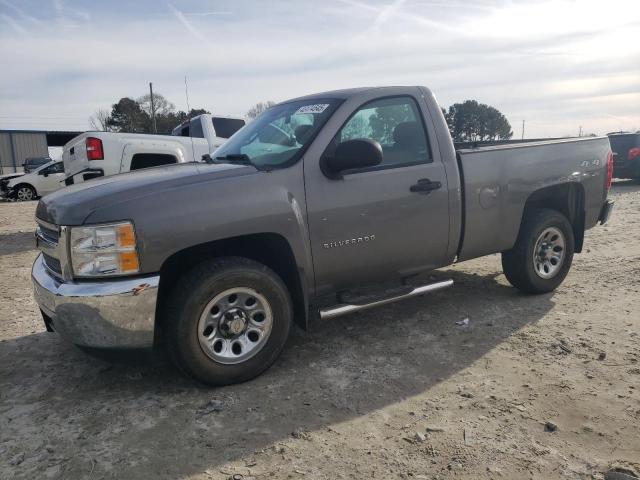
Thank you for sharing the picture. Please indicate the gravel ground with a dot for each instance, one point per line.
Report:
(534, 387)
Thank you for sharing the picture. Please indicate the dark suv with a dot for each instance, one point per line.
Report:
(626, 154)
(30, 164)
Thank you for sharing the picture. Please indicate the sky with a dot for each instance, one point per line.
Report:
(560, 66)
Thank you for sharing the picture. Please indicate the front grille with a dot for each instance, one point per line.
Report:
(49, 237)
(49, 234)
(52, 263)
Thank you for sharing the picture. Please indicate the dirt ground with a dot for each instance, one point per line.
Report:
(397, 392)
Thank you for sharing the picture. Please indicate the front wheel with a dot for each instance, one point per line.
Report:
(541, 258)
(25, 193)
(228, 320)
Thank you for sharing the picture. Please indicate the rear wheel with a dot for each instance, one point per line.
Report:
(25, 193)
(541, 258)
(228, 320)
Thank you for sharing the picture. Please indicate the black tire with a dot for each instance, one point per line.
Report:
(518, 264)
(28, 189)
(192, 293)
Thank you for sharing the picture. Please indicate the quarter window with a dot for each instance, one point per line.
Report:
(396, 124)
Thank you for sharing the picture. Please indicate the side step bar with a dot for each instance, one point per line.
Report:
(343, 309)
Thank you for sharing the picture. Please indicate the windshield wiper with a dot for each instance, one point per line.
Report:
(239, 158)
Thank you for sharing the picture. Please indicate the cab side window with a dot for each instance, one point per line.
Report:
(396, 124)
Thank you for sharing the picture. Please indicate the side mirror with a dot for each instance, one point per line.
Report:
(350, 155)
(44, 173)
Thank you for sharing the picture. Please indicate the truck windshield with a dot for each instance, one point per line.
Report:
(279, 136)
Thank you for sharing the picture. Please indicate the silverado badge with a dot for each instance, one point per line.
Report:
(349, 241)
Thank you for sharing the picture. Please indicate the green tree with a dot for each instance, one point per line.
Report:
(127, 116)
(134, 116)
(164, 110)
(471, 121)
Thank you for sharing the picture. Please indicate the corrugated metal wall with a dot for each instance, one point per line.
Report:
(16, 146)
(6, 155)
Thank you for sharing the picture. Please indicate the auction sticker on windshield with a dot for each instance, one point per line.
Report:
(316, 108)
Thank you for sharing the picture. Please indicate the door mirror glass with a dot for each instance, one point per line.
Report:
(351, 155)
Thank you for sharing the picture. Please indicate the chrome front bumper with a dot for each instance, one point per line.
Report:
(114, 313)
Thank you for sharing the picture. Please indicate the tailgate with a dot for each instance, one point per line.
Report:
(74, 156)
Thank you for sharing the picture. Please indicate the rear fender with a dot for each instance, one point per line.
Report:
(568, 199)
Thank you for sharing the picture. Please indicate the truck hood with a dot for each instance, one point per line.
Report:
(73, 204)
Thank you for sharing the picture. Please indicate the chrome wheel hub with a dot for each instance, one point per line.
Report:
(233, 322)
(235, 325)
(549, 253)
(24, 194)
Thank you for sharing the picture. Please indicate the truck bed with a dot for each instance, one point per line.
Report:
(498, 180)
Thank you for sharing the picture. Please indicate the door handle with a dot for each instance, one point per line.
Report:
(425, 186)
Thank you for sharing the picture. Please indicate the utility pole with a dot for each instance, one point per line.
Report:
(522, 138)
(153, 110)
(580, 131)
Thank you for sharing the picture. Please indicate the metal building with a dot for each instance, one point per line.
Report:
(17, 145)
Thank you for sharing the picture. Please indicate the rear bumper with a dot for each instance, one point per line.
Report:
(606, 211)
(116, 314)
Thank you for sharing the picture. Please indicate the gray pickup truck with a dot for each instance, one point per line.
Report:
(213, 261)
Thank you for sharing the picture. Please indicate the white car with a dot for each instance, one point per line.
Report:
(98, 154)
(43, 180)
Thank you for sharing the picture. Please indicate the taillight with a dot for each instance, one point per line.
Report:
(633, 153)
(94, 149)
(609, 169)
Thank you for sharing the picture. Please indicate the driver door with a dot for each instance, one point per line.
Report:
(377, 223)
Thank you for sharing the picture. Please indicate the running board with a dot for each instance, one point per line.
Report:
(343, 309)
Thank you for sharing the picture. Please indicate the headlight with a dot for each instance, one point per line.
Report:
(102, 250)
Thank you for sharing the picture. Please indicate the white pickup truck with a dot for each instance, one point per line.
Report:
(98, 154)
